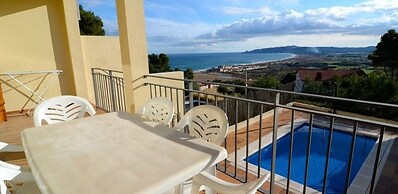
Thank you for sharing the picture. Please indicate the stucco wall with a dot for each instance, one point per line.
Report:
(104, 52)
(100, 52)
(30, 40)
(170, 83)
(43, 35)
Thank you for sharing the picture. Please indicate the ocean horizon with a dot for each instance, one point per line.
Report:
(205, 61)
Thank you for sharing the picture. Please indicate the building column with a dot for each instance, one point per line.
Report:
(79, 70)
(133, 47)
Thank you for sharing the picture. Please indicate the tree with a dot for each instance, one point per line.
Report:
(374, 87)
(269, 82)
(231, 90)
(90, 24)
(188, 73)
(158, 64)
(386, 51)
(289, 77)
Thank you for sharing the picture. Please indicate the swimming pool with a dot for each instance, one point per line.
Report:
(338, 161)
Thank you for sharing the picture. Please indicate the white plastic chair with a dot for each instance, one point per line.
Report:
(11, 173)
(60, 109)
(19, 179)
(5, 147)
(221, 186)
(159, 109)
(206, 122)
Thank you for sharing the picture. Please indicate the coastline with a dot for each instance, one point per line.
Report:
(246, 65)
(207, 75)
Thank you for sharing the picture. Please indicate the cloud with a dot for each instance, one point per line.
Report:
(244, 11)
(357, 25)
(289, 22)
(340, 13)
(380, 4)
(313, 21)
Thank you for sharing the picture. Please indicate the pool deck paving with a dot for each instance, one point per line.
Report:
(388, 183)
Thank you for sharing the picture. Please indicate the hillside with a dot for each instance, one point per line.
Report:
(315, 50)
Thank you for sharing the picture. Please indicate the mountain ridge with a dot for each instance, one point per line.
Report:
(315, 50)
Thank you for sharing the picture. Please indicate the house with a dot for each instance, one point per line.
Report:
(323, 75)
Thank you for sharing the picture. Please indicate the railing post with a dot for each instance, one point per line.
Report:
(274, 141)
(95, 86)
(112, 91)
(190, 85)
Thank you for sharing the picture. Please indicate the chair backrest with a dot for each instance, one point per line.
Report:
(207, 122)
(159, 109)
(60, 109)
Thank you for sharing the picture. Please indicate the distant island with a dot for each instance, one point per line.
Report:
(299, 50)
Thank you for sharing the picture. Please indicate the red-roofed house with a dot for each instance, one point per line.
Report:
(323, 75)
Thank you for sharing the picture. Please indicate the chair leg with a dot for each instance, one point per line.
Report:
(211, 170)
(3, 187)
(178, 189)
(195, 188)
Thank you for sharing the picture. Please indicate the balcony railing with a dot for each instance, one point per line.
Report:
(258, 104)
(108, 89)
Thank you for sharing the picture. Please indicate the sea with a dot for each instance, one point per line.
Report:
(205, 61)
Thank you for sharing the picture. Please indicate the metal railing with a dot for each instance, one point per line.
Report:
(244, 111)
(108, 89)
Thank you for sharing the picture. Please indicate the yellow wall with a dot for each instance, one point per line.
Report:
(104, 52)
(41, 35)
(100, 52)
(30, 41)
(170, 83)
(44, 35)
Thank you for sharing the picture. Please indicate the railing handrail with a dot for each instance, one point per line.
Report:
(107, 70)
(285, 106)
(282, 91)
(247, 108)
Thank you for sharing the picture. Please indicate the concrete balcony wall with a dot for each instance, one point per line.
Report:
(104, 52)
(33, 38)
(169, 83)
(43, 35)
(100, 52)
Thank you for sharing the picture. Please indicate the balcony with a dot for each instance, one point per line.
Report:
(253, 120)
(263, 117)
(258, 120)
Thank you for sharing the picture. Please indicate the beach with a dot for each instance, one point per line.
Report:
(280, 68)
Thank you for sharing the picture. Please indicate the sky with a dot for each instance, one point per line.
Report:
(205, 26)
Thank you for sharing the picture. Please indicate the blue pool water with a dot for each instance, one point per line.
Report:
(338, 161)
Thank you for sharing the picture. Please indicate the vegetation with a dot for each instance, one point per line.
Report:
(188, 73)
(230, 90)
(158, 63)
(386, 53)
(268, 82)
(90, 24)
(289, 77)
(377, 87)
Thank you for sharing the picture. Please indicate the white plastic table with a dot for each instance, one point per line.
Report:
(114, 153)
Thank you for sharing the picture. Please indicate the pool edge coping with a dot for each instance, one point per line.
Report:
(298, 187)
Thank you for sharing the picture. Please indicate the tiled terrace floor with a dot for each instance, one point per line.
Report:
(10, 133)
